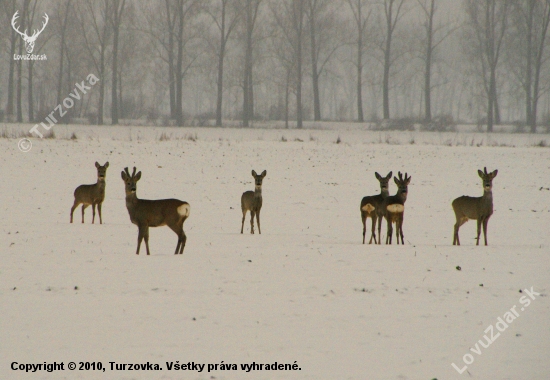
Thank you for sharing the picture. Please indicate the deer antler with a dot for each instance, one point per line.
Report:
(134, 172)
(15, 17)
(37, 32)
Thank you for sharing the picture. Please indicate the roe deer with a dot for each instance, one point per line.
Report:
(478, 208)
(252, 200)
(147, 213)
(91, 194)
(372, 206)
(394, 208)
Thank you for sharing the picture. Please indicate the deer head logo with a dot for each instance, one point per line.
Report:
(29, 40)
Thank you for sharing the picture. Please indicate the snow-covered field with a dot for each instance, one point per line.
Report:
(306, 290)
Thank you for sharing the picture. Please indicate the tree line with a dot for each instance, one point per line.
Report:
(479, 61)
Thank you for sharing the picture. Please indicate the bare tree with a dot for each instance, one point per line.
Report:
(96, 41)
(251, 11)
(225, 17)
(9, 9)
(289, 16)
(431, 43)
(324, 42)
(393, 12)
(63, 20)
(361, 16)
(116, 19)
(529, 23)
(488, 20)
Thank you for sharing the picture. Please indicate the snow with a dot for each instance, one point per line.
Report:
(306, 289)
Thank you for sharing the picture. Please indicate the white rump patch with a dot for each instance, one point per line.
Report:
(184, 210)
(396, 208)
(368, 208)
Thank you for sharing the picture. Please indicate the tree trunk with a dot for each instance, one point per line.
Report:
(491, 101)
(62, 52)
(13, 45)
(114, 69)
(299, 24)
(171, 77)
(179, 64)
(220, 69)
(30, 92)
(360, 116)
(387, 63)
(428, 72)
(314, 70)
(101, 85)
(538, 68)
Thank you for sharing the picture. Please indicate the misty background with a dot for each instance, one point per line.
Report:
(244, 62)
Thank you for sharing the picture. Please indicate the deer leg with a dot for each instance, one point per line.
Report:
(252, 216)
(373, 230)
(140, 238)
(380, 229)
(390, 232)
(242, 224)
(401, 231)
(75, 205)
(258, 221)
(93, 212)
(146, 238)
(183, 240)
(83, 207)
(363, 219)
(99, 211)
(478, 230)
(485, 222)
(178, 229)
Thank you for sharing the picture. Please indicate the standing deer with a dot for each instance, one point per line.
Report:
(394, 208)
(478, 208)
(91, 194)
(372, 206)
(147, 213)
(252, 200)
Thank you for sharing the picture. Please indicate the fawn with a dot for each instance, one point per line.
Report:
(147, 213)
(372, 206)
(394, 208)
(252, 200)
(478, 208)
(91, 194)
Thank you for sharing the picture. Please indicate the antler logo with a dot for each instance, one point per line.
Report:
(29, 40)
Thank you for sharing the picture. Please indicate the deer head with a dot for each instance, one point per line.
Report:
(29, 40)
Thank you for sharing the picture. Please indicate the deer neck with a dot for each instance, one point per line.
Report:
(258, 192)
(100, 183)
(131, 200)
(384, 193)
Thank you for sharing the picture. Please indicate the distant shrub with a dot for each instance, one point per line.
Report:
(402, 124)
(440, 123)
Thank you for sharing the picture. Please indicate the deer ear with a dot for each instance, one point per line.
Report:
(138, 176)
(97, 164)
(480, 173)
(123, 175)
(106, 165)
(254, 173)
(264, 173)
(389, 175)
(378, 177)
(396, 181)
(408, 180)
(494, 174)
